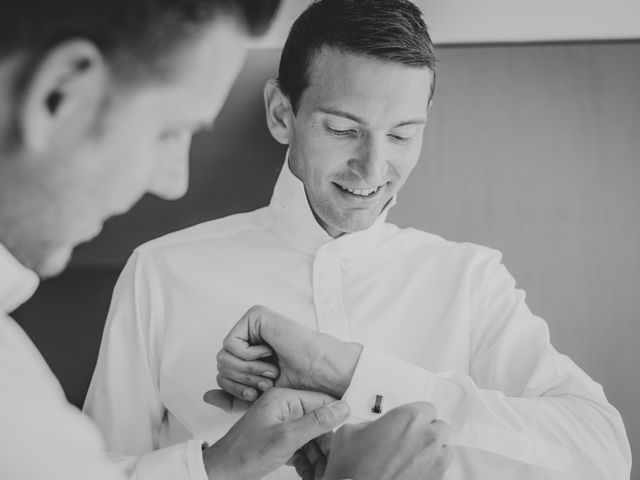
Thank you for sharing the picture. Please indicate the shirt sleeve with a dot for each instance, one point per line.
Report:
(524, 409)
(123, 395)
(41, 435)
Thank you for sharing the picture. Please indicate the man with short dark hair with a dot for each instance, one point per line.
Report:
(381, 316)
(99, 103)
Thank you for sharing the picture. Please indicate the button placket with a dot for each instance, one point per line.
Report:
(327, 292)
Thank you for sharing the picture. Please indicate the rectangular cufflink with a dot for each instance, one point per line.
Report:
(377, 404)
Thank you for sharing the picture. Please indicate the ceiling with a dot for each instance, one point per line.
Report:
(505, 21)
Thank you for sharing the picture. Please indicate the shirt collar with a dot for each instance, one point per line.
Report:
(294, 222)
(17, 283)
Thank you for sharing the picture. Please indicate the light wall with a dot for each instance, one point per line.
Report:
(499, 21)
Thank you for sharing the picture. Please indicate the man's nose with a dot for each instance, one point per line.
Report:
(170, 181)
(371, 163)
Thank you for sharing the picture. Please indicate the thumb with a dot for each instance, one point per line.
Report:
(319, 421)
(225, 401)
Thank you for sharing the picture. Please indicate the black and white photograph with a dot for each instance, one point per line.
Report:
(319, 239)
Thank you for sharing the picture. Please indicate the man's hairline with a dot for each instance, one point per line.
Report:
(344, 49)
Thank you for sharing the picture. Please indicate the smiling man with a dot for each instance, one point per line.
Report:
(355, 136)
(380, 315)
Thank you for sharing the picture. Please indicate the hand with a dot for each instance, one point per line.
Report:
(264, 346)
(406, 443)
(271, 431)
(311, 460)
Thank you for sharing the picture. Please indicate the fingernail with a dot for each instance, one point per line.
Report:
(264, 386)
(269, 374)
(249, 394)
(340, 408)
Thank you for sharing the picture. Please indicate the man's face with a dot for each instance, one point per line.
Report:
(141, 144)
(357, 135)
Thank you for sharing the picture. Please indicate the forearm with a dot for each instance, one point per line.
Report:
(566, 427)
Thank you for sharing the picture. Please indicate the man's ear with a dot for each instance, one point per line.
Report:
(279, 112)
(63, 96)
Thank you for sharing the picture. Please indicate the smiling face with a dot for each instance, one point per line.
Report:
(356, 136)
(110, 150)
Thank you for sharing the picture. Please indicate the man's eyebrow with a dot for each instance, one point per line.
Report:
(355, 118)
(340, 113)
(415, 121)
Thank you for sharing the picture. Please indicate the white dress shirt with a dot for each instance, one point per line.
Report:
(41, 435)
(439, 321)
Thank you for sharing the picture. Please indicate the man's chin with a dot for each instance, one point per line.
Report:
(54, 263)
(339, 228)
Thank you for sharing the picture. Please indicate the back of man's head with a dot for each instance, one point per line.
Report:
(135, 35)
(390, 30)
(100, 99)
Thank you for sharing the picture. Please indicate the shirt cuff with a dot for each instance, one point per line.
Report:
(178, 462)
(395, 380)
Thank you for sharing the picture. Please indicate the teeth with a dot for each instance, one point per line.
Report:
(361, 192)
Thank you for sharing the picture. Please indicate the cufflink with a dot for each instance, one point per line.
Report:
(377, 404)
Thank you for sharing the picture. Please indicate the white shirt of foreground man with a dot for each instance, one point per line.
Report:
(439, 321)
(38, 428)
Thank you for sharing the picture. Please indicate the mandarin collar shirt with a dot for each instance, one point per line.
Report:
(439, 321)
(41, 435)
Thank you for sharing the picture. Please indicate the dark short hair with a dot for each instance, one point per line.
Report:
(389, 30)
(142, 31)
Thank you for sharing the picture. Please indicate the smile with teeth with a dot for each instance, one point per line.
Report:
(361, 192)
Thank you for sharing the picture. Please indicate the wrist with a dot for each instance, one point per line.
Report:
(340, 361)
(214, 464)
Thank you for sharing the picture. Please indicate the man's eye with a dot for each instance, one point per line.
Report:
(339, 133)
(399, 138)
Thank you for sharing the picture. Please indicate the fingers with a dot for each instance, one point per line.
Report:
(441, 431)
(307, 399)
(258, 375)
(247, 379)
(316, 457)
(319, 421)
(244, 340)
(238, 390)
(310, 462)
(237, 342)
(424, 410)
(307, 415)
(256, 367)
(324, 442)
(226, 401)
(446, 457)
(303, 466)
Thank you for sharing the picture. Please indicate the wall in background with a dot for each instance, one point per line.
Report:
(534, 150)
(494, 21)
